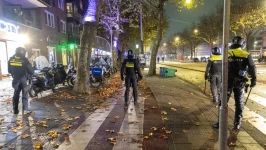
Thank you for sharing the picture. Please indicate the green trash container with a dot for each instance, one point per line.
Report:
(167, 72)
(162, 71)
(170, 72)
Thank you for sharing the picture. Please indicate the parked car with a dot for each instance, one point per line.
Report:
(195, 60)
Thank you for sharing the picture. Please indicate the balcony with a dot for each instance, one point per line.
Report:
(18, 14)
(28, 3)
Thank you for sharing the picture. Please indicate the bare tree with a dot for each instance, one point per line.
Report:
(158, 6)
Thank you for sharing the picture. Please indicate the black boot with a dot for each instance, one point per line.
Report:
(216, 125)
(16, 111)
(237, 124)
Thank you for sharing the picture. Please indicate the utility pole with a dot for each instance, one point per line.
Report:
(141, 31)
(0, 71)
(223, 120)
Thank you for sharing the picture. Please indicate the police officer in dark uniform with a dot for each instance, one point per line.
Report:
(130, 68)
(214, 71)
(20, 68)
(240, 64)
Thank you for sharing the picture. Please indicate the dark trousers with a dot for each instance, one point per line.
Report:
(20, 85)
(216, 83)
(239, 100)
(131, 81)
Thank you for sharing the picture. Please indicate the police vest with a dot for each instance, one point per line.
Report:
(17, 66)
(216, 66)
(237, 62)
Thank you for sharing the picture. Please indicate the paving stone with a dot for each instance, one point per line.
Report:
(242, 133)
(183, 146)
(247, 140)
(253, 147)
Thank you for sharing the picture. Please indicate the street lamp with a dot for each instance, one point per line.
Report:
(164, 44)
(196, 31)
(137, 46)
(177, 39)
(188, 1)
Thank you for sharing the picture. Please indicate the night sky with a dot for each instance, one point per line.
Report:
(186, 15)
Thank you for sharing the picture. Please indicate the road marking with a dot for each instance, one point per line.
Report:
(253, 118)
(91, 125)
(258, 99)
(132, 130)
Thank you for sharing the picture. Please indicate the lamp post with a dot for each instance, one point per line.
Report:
(223, 110)
(141, 31)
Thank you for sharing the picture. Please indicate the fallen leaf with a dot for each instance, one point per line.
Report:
(185, 131)
(154, 128)
(14, 130)
(168, 131)
(55, 145)
(169, 103)
(38, 145)
(25, 136)
(124, 139)
(146, 137)
(77, 117)
(165, 118)
(150, 134)
(116, 117)
(69, 119)
(164, 112)
(67, 139)
(120, 133)
(173, 109)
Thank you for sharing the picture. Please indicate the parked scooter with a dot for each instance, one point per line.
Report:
(70, 73)
(96, 77)
(41, 81)
(47, 79)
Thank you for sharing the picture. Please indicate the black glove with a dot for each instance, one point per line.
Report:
(253, 83)
(206, 77)
(140, 78)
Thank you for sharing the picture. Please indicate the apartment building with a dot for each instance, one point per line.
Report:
(38, 25)
(74, 19)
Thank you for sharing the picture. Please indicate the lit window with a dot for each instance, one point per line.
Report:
(61, 4)
(69, 8)
(49, 19)
(62, 26)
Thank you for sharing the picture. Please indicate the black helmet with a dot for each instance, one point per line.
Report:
(20, 51)
(216, 51)
(130, 54)
(238, 42)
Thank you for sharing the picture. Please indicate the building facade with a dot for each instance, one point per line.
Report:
(40, 26)
(74, 20)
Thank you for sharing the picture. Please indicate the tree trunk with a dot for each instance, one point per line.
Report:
(87, 40)
(152, 70)
(86, 44)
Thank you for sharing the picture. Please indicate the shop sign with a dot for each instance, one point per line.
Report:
(8, 27)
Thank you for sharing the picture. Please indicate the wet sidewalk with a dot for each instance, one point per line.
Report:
(189, 114)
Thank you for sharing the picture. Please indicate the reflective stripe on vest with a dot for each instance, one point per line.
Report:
(130, 65)
(238, 52)
(17, 64)
(216, 57)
